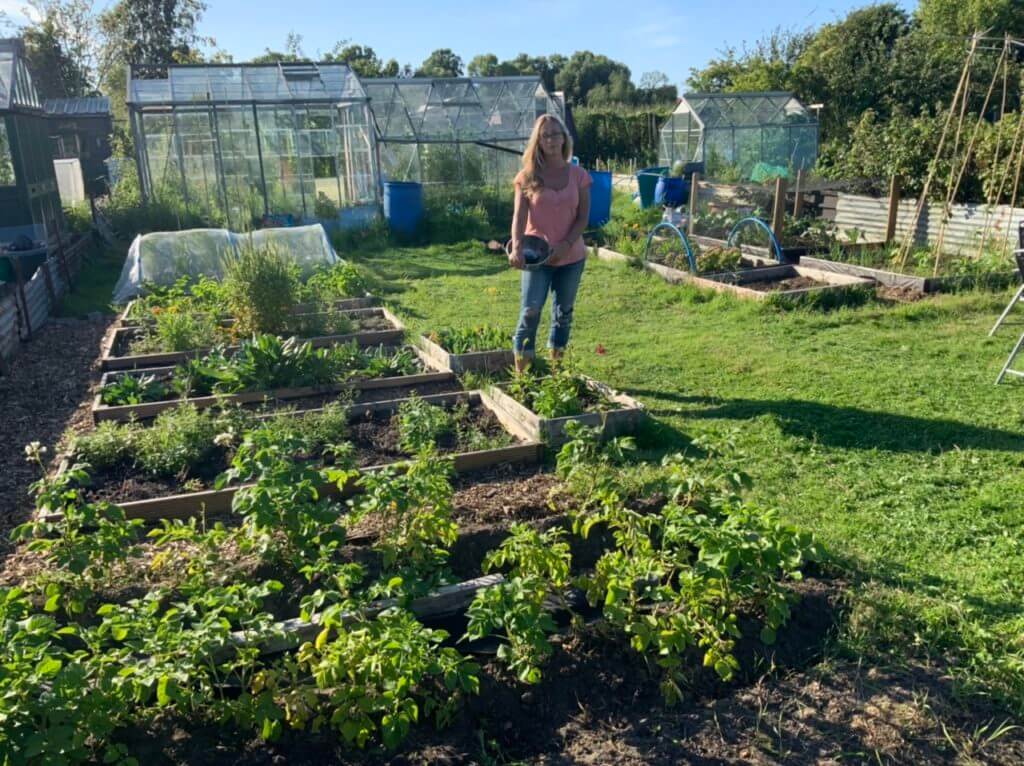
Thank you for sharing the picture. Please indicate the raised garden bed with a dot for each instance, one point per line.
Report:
(380, 388)
(375, 441)
(382, 327)
(762, 279)
(493, 360)
(614, 413)
(126, 318)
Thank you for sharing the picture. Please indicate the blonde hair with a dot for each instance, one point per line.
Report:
(533, 157)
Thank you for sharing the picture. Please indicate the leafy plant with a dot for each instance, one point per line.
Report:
(560, 394)
(132, 389)
(106, 446)
(177, 330)
(467, 340)
(414, 510)
(421, 425)
(328, 283)
(260, 286)
(177, 442)
(377, 677)
(521, 605)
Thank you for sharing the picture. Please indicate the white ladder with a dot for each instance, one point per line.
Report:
(1018, 297)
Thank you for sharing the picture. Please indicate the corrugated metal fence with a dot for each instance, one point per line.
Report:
(963, 230)
(28, 306)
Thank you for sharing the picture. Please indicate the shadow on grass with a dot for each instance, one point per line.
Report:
(855, 428)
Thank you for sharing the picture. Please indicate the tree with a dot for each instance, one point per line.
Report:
(655, 88)
(441, 63)
(292, 52)
(766, 66)
(146, 32)
(849, 66)
(60, 47)
(585, 70)
(363, 60)
(618, 90)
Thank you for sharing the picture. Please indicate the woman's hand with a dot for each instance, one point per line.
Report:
(515, 258)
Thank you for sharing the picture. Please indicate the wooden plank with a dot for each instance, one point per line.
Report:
(444, 602)
(894, 209)
(779, 208)
(798, 194)
(694, 200)
(474, 361)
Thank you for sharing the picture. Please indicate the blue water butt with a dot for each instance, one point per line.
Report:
(403, 206)
(671, 191)
(600, 198)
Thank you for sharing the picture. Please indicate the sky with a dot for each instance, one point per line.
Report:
(663, 35)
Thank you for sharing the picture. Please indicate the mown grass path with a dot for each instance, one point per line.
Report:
(878, 428)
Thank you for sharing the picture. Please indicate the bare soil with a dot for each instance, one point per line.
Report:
(780, 285)
(46, 392)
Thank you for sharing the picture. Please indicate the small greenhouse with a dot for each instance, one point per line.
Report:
(80, 128)
(741, 135)
(29, 199)
(239, 143)
(468, 131)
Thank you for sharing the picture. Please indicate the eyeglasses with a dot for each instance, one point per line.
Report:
(555, 134)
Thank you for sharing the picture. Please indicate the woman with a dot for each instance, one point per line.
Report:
(552, 201)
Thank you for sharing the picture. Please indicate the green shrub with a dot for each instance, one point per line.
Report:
(260, 286)
(108, 445)
(329, 283)
(178, 441)
(175, 329)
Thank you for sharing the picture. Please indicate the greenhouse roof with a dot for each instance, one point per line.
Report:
(751, 109)
(16, 88)
(424, 109)
(86, 106)
(182, 84)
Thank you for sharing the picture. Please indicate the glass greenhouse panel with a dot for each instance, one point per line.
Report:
(736, 135)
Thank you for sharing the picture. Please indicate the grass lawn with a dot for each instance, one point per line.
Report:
(878, 428)
(94, 286)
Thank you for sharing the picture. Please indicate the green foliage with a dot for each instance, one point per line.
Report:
(619, 133)
(441, 63)
(260, 286)
(329, 283)
(78, 217)
(133, 389)
(421, 425)
(561, 394)
(414, 510)
(458, 340)
(177, 442)
(109, 444)
(380, 677)
(175, 330)
(521, 606)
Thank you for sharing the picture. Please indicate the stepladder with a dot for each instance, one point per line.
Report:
(1018, 297)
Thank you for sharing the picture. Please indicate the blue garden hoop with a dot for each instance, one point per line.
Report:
(758, 222)
(682, 238)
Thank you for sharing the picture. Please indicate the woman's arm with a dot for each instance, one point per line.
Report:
(516, 259)
(578, 226)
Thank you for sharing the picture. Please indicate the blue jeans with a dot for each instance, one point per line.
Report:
(562, 282)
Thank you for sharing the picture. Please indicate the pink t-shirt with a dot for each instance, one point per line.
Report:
(552, 212)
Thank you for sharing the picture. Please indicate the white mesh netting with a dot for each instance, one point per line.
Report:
(163, 257)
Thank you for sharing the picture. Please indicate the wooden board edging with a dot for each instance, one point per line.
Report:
(476, 361)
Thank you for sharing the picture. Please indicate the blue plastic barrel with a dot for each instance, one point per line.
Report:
(600, 198)
(671, 191)
(403, 206)
(646, 180)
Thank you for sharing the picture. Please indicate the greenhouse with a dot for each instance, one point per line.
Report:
(237, 144)
(468, 131)
(29, 200)
(741, 135)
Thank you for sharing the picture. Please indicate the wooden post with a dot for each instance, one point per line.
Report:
(16, 263)
(894, 208)
(694, 194)
(798, 194)
(779, 208)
